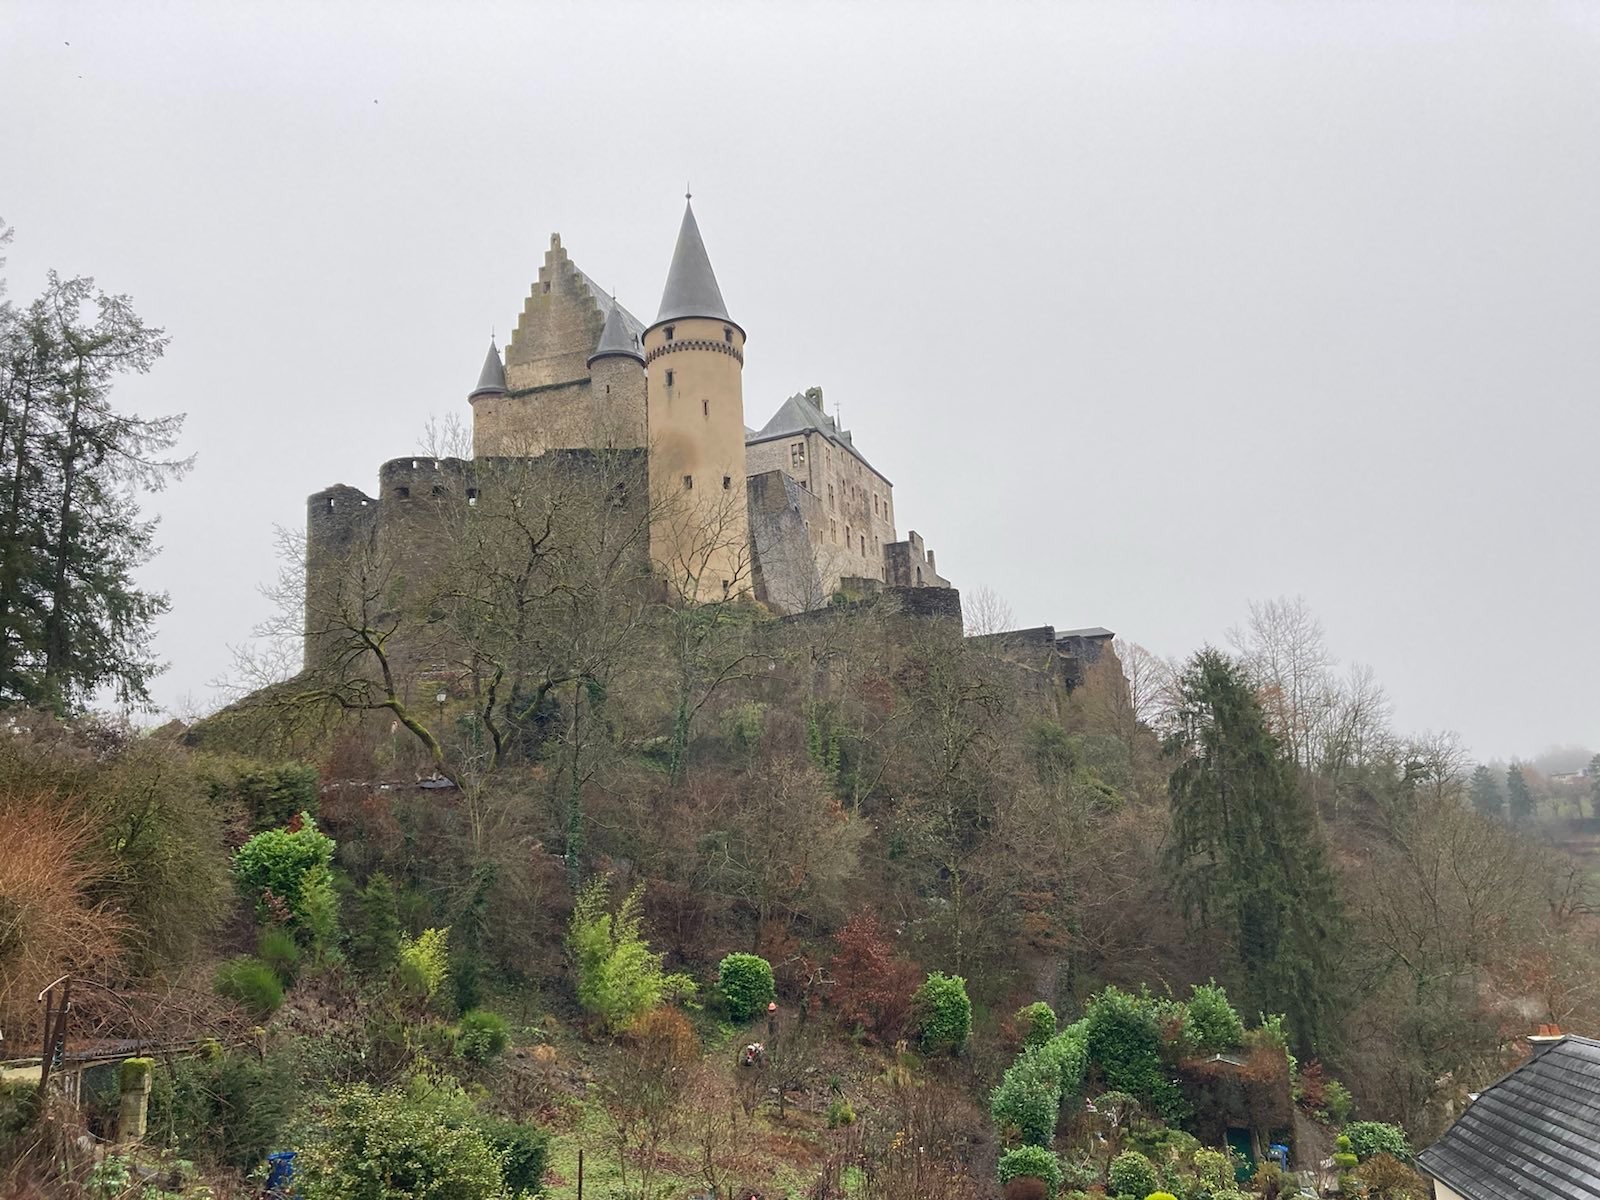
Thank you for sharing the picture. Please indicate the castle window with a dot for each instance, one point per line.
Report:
(608, 389)
(830, 496)
(727, 483)
(847, 537)
(669, 333)
(833, 531)
(437, 490)
(727, 334)
(330, 503)
(669, 378)
(688, 483)
(724, 589)
(705, 409)
(547, 287)
(863, 545)
(403, 492)
(797, 454)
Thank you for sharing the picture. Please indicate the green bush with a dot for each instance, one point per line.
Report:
(1214, 1024)
(424, 964)
(1031, 1162)
(1038, 1023)
(840, 1114)
(290, 866)
(1341, 1105)
(619, 978)
(252, 983)
(372, 1145)
(943, 1012)
(746, 983)
(523, 1150)
(1069, 1051)
(1213, 1173)
(1028, 1097)
(19, 1105)
(1160, 1196)
(1121, 1038)
(270, 793)
(278, 949)
(1131, 1174)
(372, 924)
(1378, 1137)
(482, 1035)
(226, 1109)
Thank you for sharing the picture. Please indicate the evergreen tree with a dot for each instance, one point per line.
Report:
(1485, 790)
(72, 619)
(1594, 786)
(1519, 798)
(1246, 850)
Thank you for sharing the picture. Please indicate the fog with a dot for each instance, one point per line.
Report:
(1147, 310)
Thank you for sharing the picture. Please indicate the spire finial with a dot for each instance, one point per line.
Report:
(688, 192)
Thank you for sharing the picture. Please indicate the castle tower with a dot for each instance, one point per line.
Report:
(694, 359)
(617, 381)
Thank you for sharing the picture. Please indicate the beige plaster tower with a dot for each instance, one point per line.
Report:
(694, 360)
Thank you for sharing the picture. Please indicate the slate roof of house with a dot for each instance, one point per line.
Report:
(1534, 1134)
(493, 376)
(1094, 631)
(691, 289)
(607, 302)
(801, 414)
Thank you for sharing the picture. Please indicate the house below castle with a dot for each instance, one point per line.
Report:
(791, 513)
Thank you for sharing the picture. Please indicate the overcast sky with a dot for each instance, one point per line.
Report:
(1147, 310)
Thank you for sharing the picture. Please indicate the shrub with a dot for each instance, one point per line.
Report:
(1038, 1023)
(1341, 1105)
(227, 1109)
(523, 1150)
(1131, 1174)
(482, 1035)
(1378, 1137)
(372, 1144)
(1213, 1172)
(1160, 1196)
(373, 924)
(278, 950)
(289, 864)
(424, 964)
(1068, 1051)
(1343, 1156)
(1031, 1162)
(874, 984)
(252, 983)
(1028, 1097)
(272, 794)
(1387, 1178)
(1214, 1024)
(840, 1114)
(619, 976)
(1121, 1038)
(943, 1012)
(746, 983)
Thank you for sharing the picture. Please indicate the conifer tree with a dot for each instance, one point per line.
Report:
(1246, 850)
(72, 619)
(1518, 798)
(1485, 789)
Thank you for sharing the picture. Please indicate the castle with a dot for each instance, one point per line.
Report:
(790, 514)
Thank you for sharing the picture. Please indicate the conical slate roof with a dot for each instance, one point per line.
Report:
(692, 289)
(493, 376)
(616, 338)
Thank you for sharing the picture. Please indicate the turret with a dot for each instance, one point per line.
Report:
(617, 382)
(488, 398)
(694, 359)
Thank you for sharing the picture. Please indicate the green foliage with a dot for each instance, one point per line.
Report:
(270, 794)
(943, 1012)
(227, 1109)
(1485, 791)
(1160, 1196)
(746, 983)
(1214, 1024)
(290, 867)
(1246, 850)
(1038, 1023)
(373, 1145)
(1377, 1137)
(1519, 798)
(840, 1113)
(252, 983)
(1213, 1173)
(1030, 1162)
(619, 976)
(1131, 1174)
(18, 1108)
(1341, 1105)
(1068, 1050)
(1028, 1097)
(1122, 1040)
(482, 1035)
(424, 964)
(278, 949)
(523, 1150)
(372, 925)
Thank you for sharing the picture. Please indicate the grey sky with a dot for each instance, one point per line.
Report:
(1146, 309)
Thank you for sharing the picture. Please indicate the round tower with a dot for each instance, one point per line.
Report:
(487, 400)
(694, 361)
(617, 383)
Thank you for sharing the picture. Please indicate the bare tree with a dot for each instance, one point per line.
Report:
(986, 611)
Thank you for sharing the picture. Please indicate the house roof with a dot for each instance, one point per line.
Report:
(1535, 1133)
(630, 323)
(801, 414)
(691, 289)
(1095, 631)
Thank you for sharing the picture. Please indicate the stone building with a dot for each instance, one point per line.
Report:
(791, 514)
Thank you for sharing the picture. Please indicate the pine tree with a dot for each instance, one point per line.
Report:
(1594, 786)
(1485, 790)
(1247, 852)
(72, 620)
(1519, 798)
